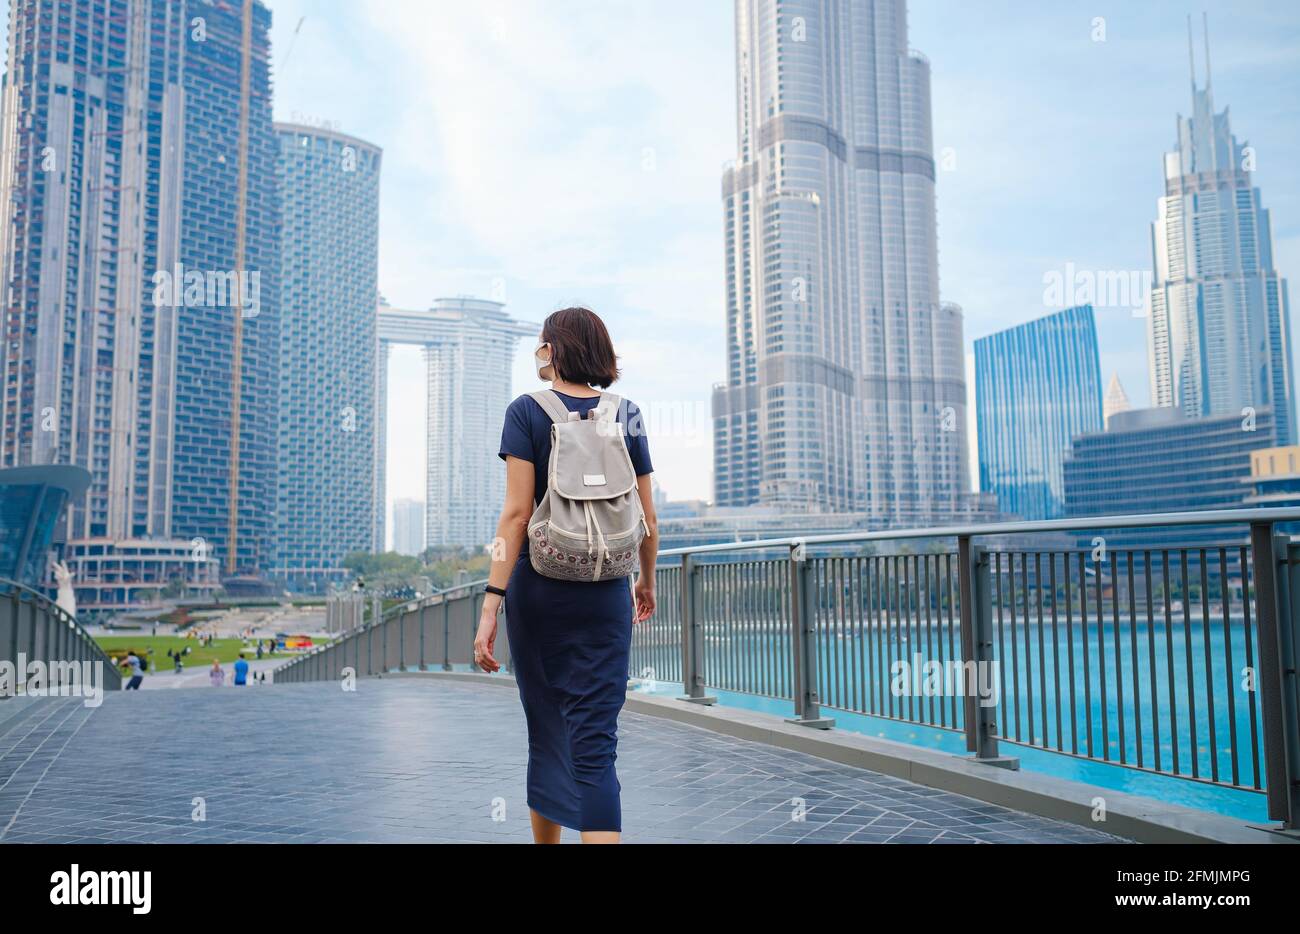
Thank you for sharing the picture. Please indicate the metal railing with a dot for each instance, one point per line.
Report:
(36, 629)
(1173, 660)
(1179, 661)
(436, 631)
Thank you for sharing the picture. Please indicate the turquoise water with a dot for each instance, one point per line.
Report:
(851, 661)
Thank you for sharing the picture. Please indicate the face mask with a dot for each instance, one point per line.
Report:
(540, 361)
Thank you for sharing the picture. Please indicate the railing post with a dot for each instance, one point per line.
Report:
(446, 634)
(424, 610)
(692, 635)
(981, 719)
(803, 640)
(1276, 607)
(401, 640)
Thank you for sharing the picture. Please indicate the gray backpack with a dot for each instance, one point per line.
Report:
(589, 525)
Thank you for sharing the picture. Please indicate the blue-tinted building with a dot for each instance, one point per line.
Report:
(204, 448)
(139, 252)
(32, 503)
(1156, 460)
(325, 494)
(1037, 385)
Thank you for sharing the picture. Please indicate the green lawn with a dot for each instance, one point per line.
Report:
(223, 650)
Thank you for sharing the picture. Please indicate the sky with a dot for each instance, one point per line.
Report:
(563, 151)
(570, 151)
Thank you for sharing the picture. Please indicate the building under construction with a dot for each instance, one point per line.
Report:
(137, 162)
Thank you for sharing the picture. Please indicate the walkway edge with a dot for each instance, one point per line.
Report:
(1130, 816)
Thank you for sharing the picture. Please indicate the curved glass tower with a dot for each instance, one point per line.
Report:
(325, 496)
(1037, 385)
(845, 382)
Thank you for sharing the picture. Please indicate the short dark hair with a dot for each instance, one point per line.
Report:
(581, 350)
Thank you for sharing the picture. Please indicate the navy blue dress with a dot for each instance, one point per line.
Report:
(569, 643)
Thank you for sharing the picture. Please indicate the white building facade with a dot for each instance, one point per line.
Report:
(845, 387)
(1219, 337)
(408, 526)
(469, 346)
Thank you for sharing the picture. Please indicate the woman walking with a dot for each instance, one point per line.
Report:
(570, 626)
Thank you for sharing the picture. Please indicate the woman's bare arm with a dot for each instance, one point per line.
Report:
(513, 524)
(645, 583)
(511, 529)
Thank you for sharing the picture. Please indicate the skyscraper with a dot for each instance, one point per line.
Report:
(845, 384)
(469, 347)
(329, 205)
(408, 526)
(1219, 333)
(1037, 385)
(139, 251)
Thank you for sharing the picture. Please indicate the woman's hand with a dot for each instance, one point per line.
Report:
(486, 638)
(644, 594)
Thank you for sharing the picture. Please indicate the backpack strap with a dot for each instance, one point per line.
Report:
(609, 405)
(551, 405)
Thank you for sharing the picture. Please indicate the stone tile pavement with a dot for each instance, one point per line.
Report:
(401, 760)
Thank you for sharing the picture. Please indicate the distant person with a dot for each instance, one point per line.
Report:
(259, 650)
(137, 671)
(241, 671)
(179, 666)
(216, 676)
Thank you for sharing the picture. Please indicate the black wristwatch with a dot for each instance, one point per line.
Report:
(499, 591)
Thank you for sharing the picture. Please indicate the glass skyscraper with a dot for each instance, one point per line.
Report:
(1219, 336)
(138, 236)
(1151, 461)
(329, 205)
(845, 386)
(1037, 385)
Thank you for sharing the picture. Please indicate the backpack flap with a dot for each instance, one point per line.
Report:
(589, 458)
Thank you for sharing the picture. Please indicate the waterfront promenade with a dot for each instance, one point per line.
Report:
(428, 760)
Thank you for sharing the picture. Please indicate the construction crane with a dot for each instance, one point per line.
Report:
(241, 245)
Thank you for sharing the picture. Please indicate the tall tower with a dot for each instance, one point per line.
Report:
(329, 207)
(845, 384)
(132, 130)
(469, 347)
(1219, 336)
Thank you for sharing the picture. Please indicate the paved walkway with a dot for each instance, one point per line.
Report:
(427, 761)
